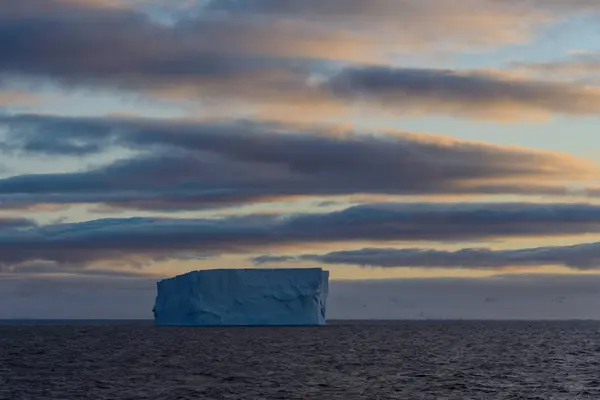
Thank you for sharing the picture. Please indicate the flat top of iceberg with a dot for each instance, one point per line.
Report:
(251, 271)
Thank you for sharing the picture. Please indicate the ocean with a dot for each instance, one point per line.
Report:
(116, 360)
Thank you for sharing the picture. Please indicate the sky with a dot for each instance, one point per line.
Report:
(440, 158)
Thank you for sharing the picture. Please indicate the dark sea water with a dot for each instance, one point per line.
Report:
(383, 360)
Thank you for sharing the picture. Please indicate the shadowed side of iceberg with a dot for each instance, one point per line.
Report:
(243, 297)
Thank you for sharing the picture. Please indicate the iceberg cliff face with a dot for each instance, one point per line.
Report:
(243, 297)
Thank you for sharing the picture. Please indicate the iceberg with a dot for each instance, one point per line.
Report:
(232, 297)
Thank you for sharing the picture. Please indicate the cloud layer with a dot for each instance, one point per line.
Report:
(580, 67)
(15, 222)
(140, 241)
(263, 56)
(477, 94)
(202, 165)
(581, 257)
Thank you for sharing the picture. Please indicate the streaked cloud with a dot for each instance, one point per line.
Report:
(580, 257)
(18, 99)
(581, 67)
(383, 8)
(406, 24)
(478, 94)
(184, 165)
(49, 269)
(15, 222)
(426, 22)
(265, 55)
(141, 241)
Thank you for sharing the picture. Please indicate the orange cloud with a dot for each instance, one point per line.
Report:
(20, 99)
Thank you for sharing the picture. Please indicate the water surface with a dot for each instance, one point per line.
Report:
(383, 360)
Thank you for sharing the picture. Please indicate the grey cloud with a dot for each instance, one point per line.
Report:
(76, 42)
(202, 165)
(424, 22)
(139, 241)
(582, 257)
(452, 92)
(263, 260)
(16, 222)
(312, 8)
(124, 48)
(51, 269)
(264, 61)
(528, 297)
(383, 8)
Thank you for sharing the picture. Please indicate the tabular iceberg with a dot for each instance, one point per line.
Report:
(295, 296)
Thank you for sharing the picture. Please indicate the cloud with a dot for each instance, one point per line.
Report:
(15, 222)
(526, 297)
(263, 55)
(581, 257)
(139, 242)
(428, 23)
(186, 4)
(477, 94)
(126, 49)
(202, 165)
(18, 99)
(338, 30)
(393, 9)
(51, 269)
(580, 67)
(408, 24)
